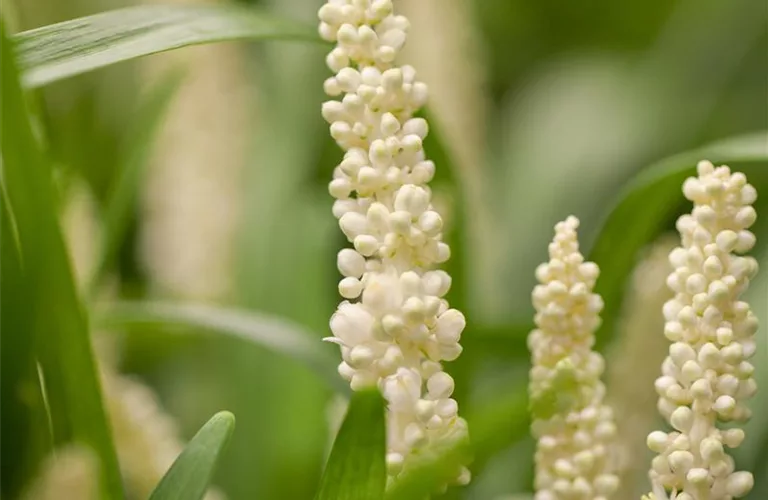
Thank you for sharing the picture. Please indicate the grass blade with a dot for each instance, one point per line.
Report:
(60, 328)
(190, 474)
(276, 334)
(355, 468)
(77, 46)
(650, 203)
(122, 197)
(24, 427)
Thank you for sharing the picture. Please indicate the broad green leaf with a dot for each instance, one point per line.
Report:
(190, 474)
(60, 328)
(77, 46)
(270, 332)
(651, 201)
(122, 197)
(356, 468)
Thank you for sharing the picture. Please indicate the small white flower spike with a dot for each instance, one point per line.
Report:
(395, 327)
(574, 429)
(706, 378)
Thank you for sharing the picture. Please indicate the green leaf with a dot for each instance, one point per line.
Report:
(270, 332)
(355, 468)
(502, 341)
(651, 201)
(430, 476)
(122, 197)
(190, 474)
(24, 427)
(60, 327)
(77, 46)
(493, 428)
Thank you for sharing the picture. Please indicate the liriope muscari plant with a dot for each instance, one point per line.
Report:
(395, 326)
(573, 427)
(707, 377)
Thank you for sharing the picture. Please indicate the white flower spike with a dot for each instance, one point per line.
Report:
(395, 327)
(706, 378)
(574, 429)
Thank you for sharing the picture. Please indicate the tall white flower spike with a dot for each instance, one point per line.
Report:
(395, 327)
(706, 378)
(574, 429)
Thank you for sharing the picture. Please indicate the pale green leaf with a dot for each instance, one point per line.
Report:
(69, 48)
(270, 332)
(189, 476)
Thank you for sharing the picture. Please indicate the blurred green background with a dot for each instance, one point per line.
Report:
(547, 109)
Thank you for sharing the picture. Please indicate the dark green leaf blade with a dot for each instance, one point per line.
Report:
(122, 197)
(355, 468)
(24, 426)
(69, 48)
(60, 329)
(190, 474)
(651, 201)
(270, 332)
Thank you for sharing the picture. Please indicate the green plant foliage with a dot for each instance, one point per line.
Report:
(356, 468)
(273, 333)
(24, 427)
(60, 327)
(493, 427)
(431, 476)
(567, 116)
(190, 474)
(77, 46)
(122, 198)
(648, 204)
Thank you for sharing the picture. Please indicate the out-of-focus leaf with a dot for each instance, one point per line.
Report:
(752, 455)
(190, 474)
(69, 48)
(273, 333)
(60, 327)
(505, 341)
(651, 201)
(296, 260)
(761, 483)
(446, 183)
(122, 197)
(498, 425)
(356, 468)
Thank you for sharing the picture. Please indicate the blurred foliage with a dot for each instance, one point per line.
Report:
(581, 97)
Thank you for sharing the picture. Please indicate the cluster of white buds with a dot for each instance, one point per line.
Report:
(395, 327)
(706, 378)
(574, 429)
